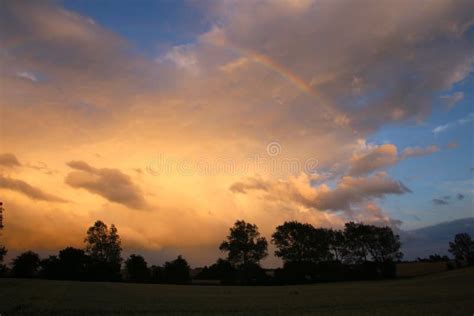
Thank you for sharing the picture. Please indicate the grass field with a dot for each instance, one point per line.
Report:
(411, 269)
(446, 293)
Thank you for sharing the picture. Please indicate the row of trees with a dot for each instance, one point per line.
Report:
(100, 260)
(309, 254)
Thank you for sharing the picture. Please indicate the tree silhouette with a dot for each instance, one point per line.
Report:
(357, 239)
(3, 250)
(434, 258)
(73, 263)
(1, 215)
(26, 265)
(367, 241)
(50, 268)
(157, 274)
(293, 242)
(103, 246)
(244, 245)
(301, 243)
(177, 271)
(383, 244)
(463, 248)
(137, 269)
(221, 270)
(337, 244)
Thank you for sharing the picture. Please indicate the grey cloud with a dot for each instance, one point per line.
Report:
(111, 184)
(248, 185)
(356, 190)
(27, 189)
(425, 49)
(9, 160)
(440, 201)
(446, 199)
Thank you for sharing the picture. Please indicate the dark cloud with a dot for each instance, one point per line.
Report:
(445, 200)
(81, 165)
(111, 184)
(9, 160)
(27, 189)
(440, 201)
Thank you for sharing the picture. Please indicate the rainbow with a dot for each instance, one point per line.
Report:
(269, 63)
(335, 116)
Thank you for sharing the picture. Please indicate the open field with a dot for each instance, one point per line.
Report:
(446, 293)
(412, 269)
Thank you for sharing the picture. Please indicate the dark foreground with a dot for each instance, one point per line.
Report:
(447, 293)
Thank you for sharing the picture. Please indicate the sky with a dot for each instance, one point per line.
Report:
(174, 119)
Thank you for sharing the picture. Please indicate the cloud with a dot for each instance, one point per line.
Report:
(182, 56)
(9, 160)
(349, 191)
(27, 189)
(375, 158)
(111, 184)
(370, 157)
(452, 145)
(445, 200)
(441, 128)
(452, 99)
(418, 151)
(352, 190)
(462, 121)
(404, 46)
(438, 201)
(27, 75)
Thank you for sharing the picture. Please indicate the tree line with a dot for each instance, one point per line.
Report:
(309, 254)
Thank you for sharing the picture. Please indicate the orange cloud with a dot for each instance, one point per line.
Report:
(111, 184)
(9, 160)
(27, 189)
(377, 158)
